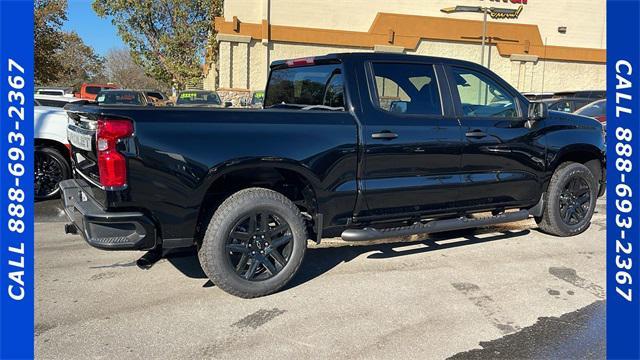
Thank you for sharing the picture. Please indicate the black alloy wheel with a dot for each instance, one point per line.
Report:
(259, 245)
(575, 201)
(254, 244)
(49, 168)
(570, 200)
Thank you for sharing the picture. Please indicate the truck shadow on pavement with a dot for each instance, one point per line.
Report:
(320, 260)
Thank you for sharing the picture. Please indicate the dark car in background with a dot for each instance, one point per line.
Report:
(123, 97)
(568, 105)
(199, 98)
(586, 94)
(535, 96)
(596, 110)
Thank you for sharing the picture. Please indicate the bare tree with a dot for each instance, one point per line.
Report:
(122, 70)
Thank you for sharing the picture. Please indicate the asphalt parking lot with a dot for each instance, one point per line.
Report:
(499, 292)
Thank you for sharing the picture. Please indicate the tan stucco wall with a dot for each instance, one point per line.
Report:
(527, 76)
(558, 76)
(243, 62)
(584, 19)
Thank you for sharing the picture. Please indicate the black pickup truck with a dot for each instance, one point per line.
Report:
(363, 146)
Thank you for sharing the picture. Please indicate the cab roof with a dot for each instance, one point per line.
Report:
(368, 56)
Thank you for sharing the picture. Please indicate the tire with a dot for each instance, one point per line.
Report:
(231, 236)
(49, 167)
(558, 218)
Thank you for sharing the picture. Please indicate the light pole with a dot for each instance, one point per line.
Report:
(484, 34)
(485, 11)
(489, 41)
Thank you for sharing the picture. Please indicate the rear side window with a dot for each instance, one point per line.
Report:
(120, 98)
(563, 105)
(198, 98)
(93, 89)
(50, 92)
(407, 88)
(53, 103)
(580, 103)
(306, 86)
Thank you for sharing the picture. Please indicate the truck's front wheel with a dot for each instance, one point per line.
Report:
(571, 200)
(254, 244)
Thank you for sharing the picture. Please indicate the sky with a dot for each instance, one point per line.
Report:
(95, 31)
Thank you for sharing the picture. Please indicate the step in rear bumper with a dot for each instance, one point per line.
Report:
(103, 229)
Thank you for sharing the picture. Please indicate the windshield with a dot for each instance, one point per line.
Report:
(598, 108)
(198, 98)
(319, 85)
(120, 98)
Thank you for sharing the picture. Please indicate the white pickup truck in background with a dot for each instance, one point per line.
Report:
(51, 154)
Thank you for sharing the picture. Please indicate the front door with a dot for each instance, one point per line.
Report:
(412, 142)
(503, 157)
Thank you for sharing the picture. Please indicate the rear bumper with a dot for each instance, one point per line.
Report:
(103, 229)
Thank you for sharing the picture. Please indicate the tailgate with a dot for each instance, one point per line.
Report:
(81, 133)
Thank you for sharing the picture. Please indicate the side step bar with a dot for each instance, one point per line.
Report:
(432, 226)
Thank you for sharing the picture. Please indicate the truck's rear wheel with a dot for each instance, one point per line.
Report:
(254, 244)
(571, 200)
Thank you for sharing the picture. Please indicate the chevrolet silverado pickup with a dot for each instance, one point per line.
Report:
(360, 145)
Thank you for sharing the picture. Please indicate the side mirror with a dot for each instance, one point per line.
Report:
(537, 111)
(228, 104)
(398, 106)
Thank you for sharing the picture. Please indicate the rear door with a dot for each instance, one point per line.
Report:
(412, 142)
(503, 156)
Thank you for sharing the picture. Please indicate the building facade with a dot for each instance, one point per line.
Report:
(536, 45)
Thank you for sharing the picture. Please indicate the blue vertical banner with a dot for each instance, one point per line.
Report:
(16, 179)
(623, 180)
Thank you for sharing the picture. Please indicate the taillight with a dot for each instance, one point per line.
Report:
(112, 165)
(301, 62)
(601, 118)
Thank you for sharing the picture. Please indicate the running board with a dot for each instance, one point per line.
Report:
(432, 226)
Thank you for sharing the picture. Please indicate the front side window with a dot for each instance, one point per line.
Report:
(481, 96)
(407, 88)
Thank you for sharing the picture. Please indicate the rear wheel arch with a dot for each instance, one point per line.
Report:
(291, 181)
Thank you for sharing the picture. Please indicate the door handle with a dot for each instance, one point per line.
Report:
(384, 135)
(475, 134)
